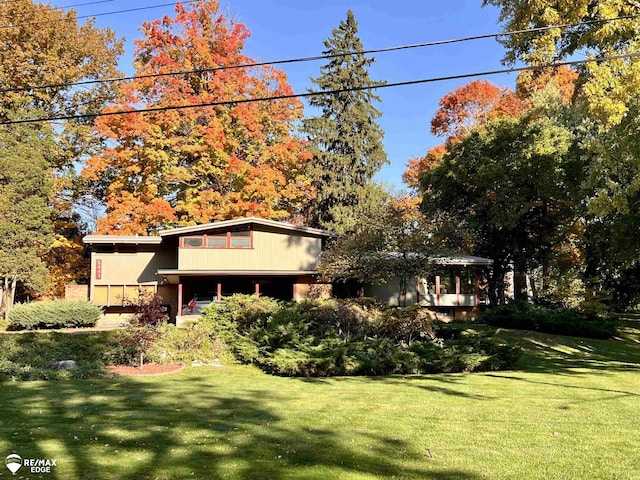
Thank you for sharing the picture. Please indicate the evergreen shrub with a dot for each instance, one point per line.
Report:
(192, 342)
(54, 314)
(526, 316)
(348, 337)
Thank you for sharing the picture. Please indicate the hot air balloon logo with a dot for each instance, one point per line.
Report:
(13, 462)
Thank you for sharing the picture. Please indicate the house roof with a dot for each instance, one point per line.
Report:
(121, 240)
(246, 221)
(462, 260)
(456, 259)
(156, 240)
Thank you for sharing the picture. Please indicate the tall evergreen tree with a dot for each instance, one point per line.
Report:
(345, 139)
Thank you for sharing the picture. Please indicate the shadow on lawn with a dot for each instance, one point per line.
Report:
(450, 383)
(546, 353)
(136, 429)
(617, 393)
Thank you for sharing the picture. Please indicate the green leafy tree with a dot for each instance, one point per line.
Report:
(608, 95)
(397, 244)
(606, 101)
(512, 187)
(345, 139)
(25, 217)
(43, 51)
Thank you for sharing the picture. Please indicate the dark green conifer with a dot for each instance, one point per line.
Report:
(346, 140)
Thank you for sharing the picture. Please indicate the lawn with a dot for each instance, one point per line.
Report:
(570, 413)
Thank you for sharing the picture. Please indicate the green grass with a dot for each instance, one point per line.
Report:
(570, 413)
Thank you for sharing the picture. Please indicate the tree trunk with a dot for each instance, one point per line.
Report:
(3, 307)
(402, 294)
(534, 289)
(496, 285)
(546, 273)
(519, 280)
(7, 296)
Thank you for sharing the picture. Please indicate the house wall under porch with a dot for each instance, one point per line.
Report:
(449, 298)
(209, 289)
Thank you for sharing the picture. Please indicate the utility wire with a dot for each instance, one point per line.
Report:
(40, 22)
(323, 92)
(314, 58)
(82, 4)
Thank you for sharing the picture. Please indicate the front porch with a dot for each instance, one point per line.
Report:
(195, 290)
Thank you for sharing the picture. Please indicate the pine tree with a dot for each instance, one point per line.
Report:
(345, 139)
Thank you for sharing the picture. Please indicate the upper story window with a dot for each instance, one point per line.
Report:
(239, 239)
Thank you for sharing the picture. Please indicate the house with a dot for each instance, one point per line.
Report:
(204, 263)
(190, 267)
(451, 289)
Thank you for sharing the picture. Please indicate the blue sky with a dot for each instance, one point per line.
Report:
(296, 28)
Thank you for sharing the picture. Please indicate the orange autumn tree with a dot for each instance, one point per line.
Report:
(471, 105)
(203, 163)
(562, 78)
(417, 165)
(461, 111)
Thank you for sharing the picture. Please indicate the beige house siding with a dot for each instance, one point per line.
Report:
(271, 251)
(390, 291)
(124, 275)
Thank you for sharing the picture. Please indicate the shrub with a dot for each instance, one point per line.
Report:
(407, 324)
(54, 314)
(190, 343)
(525, 316)
(347, 337)
(244, 310)
(149, 310)
(133, 344)
(352, 318)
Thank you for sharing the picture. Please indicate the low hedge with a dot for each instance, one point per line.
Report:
(53, 314)
(525, 316)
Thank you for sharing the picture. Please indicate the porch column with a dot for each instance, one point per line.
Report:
(219, 292)
(458, 289)
(179, 299)
(257, 288)
(437, 290)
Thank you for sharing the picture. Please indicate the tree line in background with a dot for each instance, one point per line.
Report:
(544, 178)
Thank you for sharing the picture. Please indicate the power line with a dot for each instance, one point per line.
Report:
(82, 4)
(40, 22)
(315, 58)
(324, 92)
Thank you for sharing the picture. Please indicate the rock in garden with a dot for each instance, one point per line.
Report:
(62, 365)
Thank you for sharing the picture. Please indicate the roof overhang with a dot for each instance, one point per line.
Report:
(247, 221)
(173, 276)
(236, 273)
(121, 240)
(462, 260)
